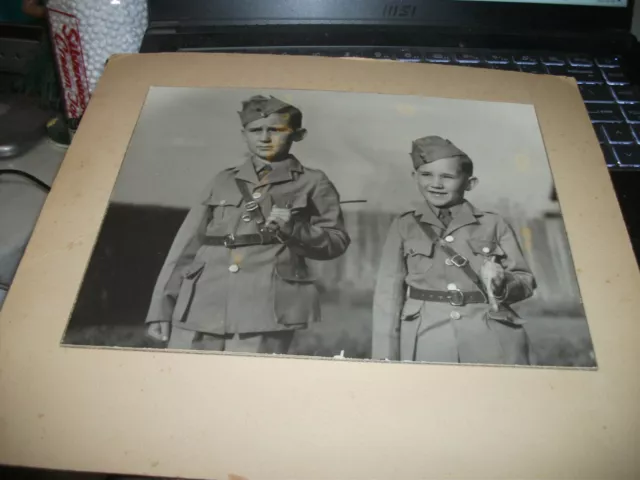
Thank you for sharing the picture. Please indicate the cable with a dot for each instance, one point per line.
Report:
(28, 176)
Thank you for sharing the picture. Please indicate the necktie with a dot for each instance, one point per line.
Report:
(445, 216)
(264, 171)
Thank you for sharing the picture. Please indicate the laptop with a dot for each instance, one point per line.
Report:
(589, 40)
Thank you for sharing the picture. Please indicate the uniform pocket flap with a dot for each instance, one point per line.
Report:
(485, 247)
(418, 247)
(193, 270)
(411, 309)
(293, 273)
(217, 199)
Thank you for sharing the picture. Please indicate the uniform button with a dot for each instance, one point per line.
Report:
(256, 195)
(452, 286)
(448, 238)
(233, 268)
(223, 202)
(455, 315)
(485, 250)
(448, 262)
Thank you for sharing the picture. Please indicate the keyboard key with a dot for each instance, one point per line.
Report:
(497, 58)
(608, 62)
(437, 57)
(533, 68)
(604, 113)
(525, 59)
(628, 155)
(408, 55)
(379, 53)
(467, 58)
(631, 113)
(555, 60)
(615, 77)
(618, 133)
(625, 94)
(581, 74)
(351, 53)
(506, 66)
(609, 156)
(596, 93)
(636, 132)
(580, 61)
(602, 138)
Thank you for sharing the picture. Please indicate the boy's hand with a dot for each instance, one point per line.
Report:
(494, 271)
(159, 331)
(281, 218)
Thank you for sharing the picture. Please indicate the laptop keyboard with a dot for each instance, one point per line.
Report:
(611, 101)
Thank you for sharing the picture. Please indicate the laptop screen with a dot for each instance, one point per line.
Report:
(583, 3)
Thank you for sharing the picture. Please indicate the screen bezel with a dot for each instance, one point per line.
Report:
(484, 16)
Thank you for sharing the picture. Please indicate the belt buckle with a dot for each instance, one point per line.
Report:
(458, 260)
(251, 206)
(456, 297)
(229, 240)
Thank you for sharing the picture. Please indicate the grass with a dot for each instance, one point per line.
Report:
(561, 341)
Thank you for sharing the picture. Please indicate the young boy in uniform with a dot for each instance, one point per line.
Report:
(449, 272)
(236, 277)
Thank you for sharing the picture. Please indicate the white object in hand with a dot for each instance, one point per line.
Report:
(487, 280)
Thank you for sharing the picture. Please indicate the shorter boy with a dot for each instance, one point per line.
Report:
(449, 272)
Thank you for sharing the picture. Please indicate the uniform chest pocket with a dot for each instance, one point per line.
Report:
(486, 248)
(418, 255)
(223, 205)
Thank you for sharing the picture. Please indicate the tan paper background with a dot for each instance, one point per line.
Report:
(208, 415)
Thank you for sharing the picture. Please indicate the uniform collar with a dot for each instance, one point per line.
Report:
(282, 170)
(461, 215)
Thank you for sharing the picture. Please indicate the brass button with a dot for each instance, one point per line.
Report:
(448, 238)
(485, 249)
(256, 195)
(455, 315)
(233, 268)
(452, 286)
(448, 262)
(223, 202)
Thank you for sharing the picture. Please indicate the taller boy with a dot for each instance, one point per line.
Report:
(236, 278)
(449, 272)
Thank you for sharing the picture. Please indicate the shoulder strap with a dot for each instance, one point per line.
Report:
(465, 267)
(252, 207)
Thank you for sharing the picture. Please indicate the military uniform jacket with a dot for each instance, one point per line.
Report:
(257, 288)
(409, 329)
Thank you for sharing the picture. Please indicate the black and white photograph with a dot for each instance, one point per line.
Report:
(338, 225)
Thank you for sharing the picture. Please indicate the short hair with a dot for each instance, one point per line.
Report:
(466, 165)
(294, 116)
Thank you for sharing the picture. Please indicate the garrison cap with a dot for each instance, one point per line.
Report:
(429, 149)
(259, 106)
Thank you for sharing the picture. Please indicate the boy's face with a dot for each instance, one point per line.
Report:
(442, 183)
(270, 138)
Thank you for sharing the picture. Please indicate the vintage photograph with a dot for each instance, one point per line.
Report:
(335, 224)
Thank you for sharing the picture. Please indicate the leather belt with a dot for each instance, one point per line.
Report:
(233, 241)
(453, 297)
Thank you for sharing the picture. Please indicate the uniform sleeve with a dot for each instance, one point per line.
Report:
(389, 297)
(520, 283)
(324, 236)
(185, 245)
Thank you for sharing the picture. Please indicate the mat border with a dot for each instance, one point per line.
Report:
(209, 416)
